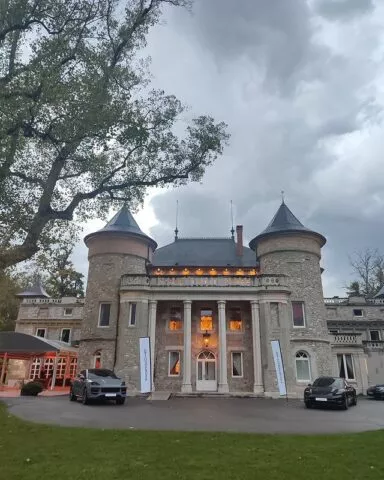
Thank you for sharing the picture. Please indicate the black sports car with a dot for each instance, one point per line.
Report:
(328, 391)
(377, 391)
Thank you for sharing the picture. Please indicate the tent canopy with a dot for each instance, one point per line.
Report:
(23, 345)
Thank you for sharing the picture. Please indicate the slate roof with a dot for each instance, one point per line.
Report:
(123, 222)
(15, 342)
(284, 222)
(203, 252)
(35, 291)
(380, 293)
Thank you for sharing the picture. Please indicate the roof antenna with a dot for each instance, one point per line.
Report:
(282, 197)
(232, 229)
(177, 218)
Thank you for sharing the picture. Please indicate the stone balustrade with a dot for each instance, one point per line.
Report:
(374, 344)
(169, 281)
(344, 301)
(346, 339)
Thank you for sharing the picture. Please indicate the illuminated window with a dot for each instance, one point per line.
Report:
(174, 364)
(206, 320)
(199, 271)
(226, 272)
(240, 271)
(35, 369)
(61, 366)
(185, 271)
(47, 370)
(252, 272)
(213, 271)
(97, 359)
(235, 321)
(73, 367)
(174, 322)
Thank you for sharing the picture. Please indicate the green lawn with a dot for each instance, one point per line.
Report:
(30, 451)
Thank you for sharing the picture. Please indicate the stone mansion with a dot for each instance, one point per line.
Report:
(211, 307)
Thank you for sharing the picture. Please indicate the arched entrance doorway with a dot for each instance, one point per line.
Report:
(206, 372)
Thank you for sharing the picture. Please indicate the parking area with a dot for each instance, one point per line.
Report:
(202, 414)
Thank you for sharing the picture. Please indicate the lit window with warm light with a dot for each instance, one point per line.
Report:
(158, 271)
(174, 364)
(213, 271)
(240, 271)
(174, 322)
(226, 272)
(199, 271)
(185, 271)
(235, 320)
(206, 320)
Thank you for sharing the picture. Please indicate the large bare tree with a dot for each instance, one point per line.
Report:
(80, 127)
(368, 267)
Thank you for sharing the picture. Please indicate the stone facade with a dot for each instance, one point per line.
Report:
(211, 318)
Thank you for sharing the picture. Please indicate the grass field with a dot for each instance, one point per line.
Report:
(40, 452)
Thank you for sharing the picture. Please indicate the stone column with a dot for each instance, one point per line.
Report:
(223, 377)
(186, 387)
(258, 386)
(152, 336)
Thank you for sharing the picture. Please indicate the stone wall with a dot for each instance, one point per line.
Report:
(103, 285)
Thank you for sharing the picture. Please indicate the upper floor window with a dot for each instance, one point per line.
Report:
(41, 332)
(298, 314)
(132, 314)
(303, 368)
(65, 335)
(174, 322)
(104, 314)
(235, 320)
(357, 312)
(206, 319)
(374, 335)
(68, 312)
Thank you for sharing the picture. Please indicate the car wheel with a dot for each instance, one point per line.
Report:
(346, 403)
(84, 398)
(120, 401)
(72, 397)
(308, 404)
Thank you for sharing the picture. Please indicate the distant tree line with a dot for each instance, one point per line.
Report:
(368, 269)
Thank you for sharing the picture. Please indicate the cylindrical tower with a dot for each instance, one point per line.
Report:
(117, 249)
(287, 247)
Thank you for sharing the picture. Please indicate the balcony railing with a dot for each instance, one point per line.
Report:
(346, 339)
(374, 344)
(204, 281)
(344, 301)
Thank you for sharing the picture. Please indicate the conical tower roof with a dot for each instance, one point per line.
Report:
(284, 222)
(122, 223)
(35, 291)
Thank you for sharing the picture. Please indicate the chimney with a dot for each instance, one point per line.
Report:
(239, 240)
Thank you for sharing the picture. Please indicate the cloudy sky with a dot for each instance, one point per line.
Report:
(301, 86)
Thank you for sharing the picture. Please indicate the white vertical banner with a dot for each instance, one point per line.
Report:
(145, 365)
(279, 366)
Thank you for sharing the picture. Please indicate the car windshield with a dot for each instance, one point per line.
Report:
(327, 382)
(97, 373)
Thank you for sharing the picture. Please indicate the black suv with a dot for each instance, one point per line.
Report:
(328, 391)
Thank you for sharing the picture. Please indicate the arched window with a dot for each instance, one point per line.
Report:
(97, 359)
(303, 367)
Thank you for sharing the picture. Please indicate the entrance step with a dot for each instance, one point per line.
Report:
(159, 396)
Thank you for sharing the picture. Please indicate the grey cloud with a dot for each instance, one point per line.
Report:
(343, 9)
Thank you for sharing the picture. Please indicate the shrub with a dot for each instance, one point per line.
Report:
(31, 388)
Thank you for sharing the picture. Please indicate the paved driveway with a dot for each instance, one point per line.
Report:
(204, 414)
